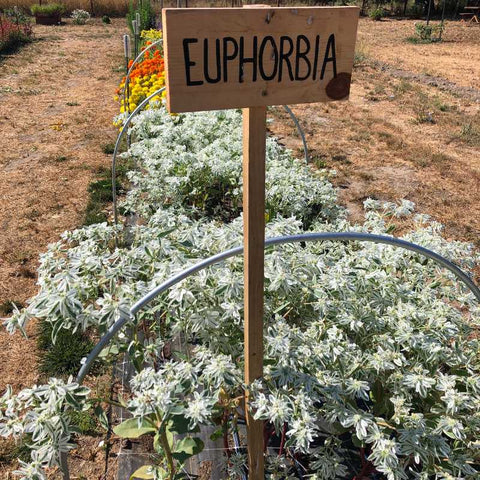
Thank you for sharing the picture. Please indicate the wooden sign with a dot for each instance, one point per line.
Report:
(219, 58)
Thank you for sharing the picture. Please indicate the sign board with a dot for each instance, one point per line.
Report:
(219, 58)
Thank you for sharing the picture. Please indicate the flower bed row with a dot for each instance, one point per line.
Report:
(371, 367)
(145, 78)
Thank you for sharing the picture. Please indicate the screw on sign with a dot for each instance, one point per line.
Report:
(249, 58)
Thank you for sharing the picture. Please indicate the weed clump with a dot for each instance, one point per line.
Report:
(427, 33)
(377, 14)
(62, 356)
(108, 148)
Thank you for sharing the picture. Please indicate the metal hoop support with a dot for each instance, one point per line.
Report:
(127, 315)
(300, 131)
(117, 146)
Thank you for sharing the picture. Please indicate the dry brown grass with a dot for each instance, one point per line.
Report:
(113, 8)
(56, 109)
(403, 138)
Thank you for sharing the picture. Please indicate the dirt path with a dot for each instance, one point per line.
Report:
(402, 136)
(56, 109)
(456, 58)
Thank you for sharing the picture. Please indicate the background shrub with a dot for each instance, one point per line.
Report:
(48, 9)
(15, 30)
(377, 14)
(80, 17)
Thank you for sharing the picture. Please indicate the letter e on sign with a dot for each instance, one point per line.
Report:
(218, 58)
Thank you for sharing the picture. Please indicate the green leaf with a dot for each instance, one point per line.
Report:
(186, 448)
(282, 307)
(357, 442)
(142, 472)
(216, 434)
(107, 351)
(157, 446)
(220, 290)
(166, 232)
(170, 438)
(179, 424)
(130, 429)
(102, 416)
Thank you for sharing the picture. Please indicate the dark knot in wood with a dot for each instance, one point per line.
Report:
(339, 87)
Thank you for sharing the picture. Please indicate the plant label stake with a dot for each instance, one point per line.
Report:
(219, 58)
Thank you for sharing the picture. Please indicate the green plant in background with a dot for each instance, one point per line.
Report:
(147, 15)
(15, 29)
(48, 9)
(106, 19)
(427, 33)
(13, 450)
(100, 193)
(16, 15)
(377, 14)
(86, 422)
(108, 148)
(63, 355)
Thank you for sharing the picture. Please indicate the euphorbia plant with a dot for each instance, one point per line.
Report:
(371, 364)
(171, 404)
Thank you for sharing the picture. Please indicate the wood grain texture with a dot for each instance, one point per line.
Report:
(254, 134)
(214, 24)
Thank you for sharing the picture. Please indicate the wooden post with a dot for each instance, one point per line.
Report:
(254, 133)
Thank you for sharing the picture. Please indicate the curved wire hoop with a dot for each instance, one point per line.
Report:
(117, 147)
(300, 131)
(127, 315)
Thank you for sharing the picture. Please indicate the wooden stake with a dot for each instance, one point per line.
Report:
(254, 133)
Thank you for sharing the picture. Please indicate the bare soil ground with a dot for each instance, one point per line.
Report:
(456, 58)
(56, 109)
(411, 128)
